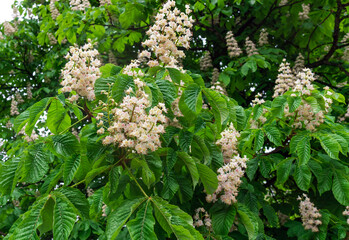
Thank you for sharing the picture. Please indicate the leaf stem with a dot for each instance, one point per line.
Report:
(134, 178)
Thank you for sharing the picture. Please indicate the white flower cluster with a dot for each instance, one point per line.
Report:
(14, 107)
(54, 11)
(81, 72)
(52, 39)
(9, 29)
(263, 37)
(285, 79)
(346, 213)
(79, 5)
(305, 13)
(309, 213)
(298, 64)
(206, 61)
(228, 142)
(202, 214)
(216, 84)
(29, 91)
(250, 47)
(171, 29)
(304, 82)
(232, 45)
(27, 138)
(283, 2)
(105, 2)
(229, 180)
(19, 98)
(112, 58)
(257, 100)
(132, 125)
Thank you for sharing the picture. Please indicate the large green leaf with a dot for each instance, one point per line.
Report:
(58, 119)
(35, 163)
(65, 145)
(340, 187)
(122, 83)
(35, 112)
(278, 105)
(190, 164)
(330, 145)
(64, 218)
(190, 103)
(271, 215)
(302, 176)
(21, 120)
(223, 217)
(273, 134)
(118, 218)
(8, 175)
(283, 171)
(208, 178)
(26, 230)
(303, 149)
(78, 200)
(131, 15)
(168, 91)
(218, 104)
(293, 103)
(142, 227)
(237, 116)
(249, 220)
(71, 166)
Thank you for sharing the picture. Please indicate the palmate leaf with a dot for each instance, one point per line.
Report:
(26, 229)
(302, 176)
(174, 220)
(208, 178)
(65, 145)
(249, 220)
(122, 83)
(78, 199)
(118, 218)
(340, 187)
(222, 218)
(35, 112)
(218, 104)
(190, 164)
(64, 217)
(71, 166)
(58, 119)
(35, 163)
(142, 227)
(273, 134)
(190, 103)
(8, 175)
(303, 149)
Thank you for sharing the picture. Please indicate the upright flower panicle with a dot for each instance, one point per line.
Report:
(346, 213)
(305, 13)
(172, 29)
(229, 180)
(250, 47)
(202, 218)
(309, 213)
(232, 45)
(105, 2)
(53, 9)
(81, 72)
(298, 64)
(216, 84)
(79, 5)
(29, 91)
(9, 29)
(206, 61)
(263, 37)
(14, 107)
(285, 79)
(132, 126)
(228, 142)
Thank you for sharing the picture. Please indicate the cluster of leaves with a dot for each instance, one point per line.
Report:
(70, 187)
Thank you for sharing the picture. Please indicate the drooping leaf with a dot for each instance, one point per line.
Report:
(71, 166)
(208, 178)
(222, 218)
(190, 164)
(35, 163)
(58, 119)
(8, 175)
(302, 176)
(78, 200)
(340, 187)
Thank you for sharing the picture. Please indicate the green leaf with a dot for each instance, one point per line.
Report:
(170, 187)
(270, 213)
(35, 164)
(122, 83)
(35, 112)
(26, 230)
(58, 119)
(218, 104)
(65, 145)
(118, 218)
(21, 120)
(8, 175)
(293, 103)
(223, 217)
(142, 227)
(114, 176)
(303, 149)
(131, 15)
(71, 166)
(47, 216)
(177, 76)
(249, 220)
(278, 105)
(190, 163)
(302, 176)
(103, 84)
(107, 71)
(259, 140)
(238, 117)
(330, 145)
(208, 178)
(190, 103)
(64, 218)
(168, 90)
(340, 187)
(273, 134)
(283, 171)
(78, 200)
